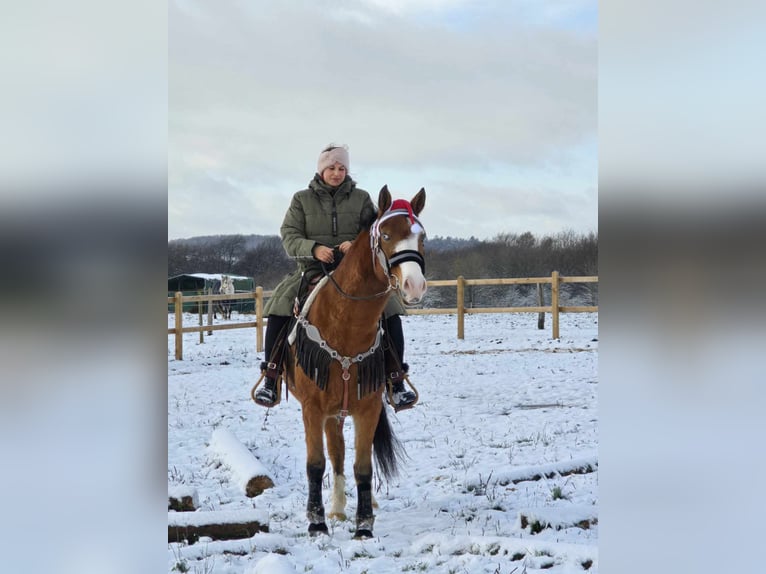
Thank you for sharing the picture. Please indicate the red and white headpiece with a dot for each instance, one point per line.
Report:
(398, 207)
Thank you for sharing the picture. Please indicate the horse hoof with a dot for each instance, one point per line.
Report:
(338, 516)
(317, 529)
(362, 534)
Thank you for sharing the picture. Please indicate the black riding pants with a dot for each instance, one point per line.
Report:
(396, 335)
(273, 327)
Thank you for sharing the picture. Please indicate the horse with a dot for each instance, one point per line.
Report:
(224, 287)
(337, 339)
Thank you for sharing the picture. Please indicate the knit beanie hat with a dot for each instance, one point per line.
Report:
(330, 155)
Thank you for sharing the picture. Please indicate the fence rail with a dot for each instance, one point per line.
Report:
(259, 295)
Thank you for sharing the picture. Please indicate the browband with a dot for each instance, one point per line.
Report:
(375, 231)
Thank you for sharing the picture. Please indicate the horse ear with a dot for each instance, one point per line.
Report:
(419, 201)
(384, 200)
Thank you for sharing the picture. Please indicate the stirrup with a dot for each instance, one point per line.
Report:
(396, 377)
(267, 369)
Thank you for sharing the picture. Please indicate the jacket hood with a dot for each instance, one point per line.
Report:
(318, 185)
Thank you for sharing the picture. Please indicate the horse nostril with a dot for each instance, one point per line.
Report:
(414, 286)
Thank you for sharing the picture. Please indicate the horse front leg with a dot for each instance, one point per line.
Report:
(336, 449)
(364, 425)
(315, 465)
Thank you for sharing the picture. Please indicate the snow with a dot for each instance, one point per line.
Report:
(505, 404)
(273, 564)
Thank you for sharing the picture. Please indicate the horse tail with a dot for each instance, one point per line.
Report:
(387, 448)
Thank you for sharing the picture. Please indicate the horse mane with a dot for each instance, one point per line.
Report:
(368, 220)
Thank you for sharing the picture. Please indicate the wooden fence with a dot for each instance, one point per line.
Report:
(259, 295)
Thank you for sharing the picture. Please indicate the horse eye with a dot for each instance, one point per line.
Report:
(385, 236)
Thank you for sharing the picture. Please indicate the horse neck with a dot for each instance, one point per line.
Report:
(350, 325)
(356, 275)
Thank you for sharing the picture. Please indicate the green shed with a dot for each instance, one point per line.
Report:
(200, 283)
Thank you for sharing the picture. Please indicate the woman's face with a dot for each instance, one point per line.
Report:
(334, 175)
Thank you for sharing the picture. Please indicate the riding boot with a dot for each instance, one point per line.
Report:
(266, 396)
(402, 397)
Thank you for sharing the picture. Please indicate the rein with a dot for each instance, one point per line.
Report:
(393, 284)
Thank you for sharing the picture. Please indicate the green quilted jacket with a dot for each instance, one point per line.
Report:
(309, 221)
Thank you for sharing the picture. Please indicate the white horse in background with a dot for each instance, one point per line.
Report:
(224, 287)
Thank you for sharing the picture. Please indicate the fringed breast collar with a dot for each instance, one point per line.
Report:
(314, 355)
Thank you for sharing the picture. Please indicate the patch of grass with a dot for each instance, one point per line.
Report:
(556, 494)
(419, 567)
(543, 553)
(537, 527)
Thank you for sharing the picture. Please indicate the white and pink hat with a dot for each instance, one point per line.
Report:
(330, 155)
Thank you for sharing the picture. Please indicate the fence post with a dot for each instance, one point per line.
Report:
(209, 309)
(540, 303)
(259, 319)
(555, 303)
(460, 307)
(201, 333)
(179, 312)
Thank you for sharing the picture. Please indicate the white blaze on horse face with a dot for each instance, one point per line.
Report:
(412, 284)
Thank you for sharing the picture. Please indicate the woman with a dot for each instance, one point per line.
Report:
(329, 214)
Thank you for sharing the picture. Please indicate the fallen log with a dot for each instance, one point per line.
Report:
(558, 518)
(182, 498)
(247, 471)
(216, 524)
(583, 465)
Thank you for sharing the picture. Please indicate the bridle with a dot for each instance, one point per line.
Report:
(379, 257)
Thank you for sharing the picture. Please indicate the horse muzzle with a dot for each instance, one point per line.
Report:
(412, 287)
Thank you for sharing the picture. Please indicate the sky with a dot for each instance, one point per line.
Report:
(490, 106)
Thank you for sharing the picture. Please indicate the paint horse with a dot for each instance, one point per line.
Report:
(223, 287)
(336, 366)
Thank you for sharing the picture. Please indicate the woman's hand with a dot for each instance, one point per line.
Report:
(323, 254)
(344, 247)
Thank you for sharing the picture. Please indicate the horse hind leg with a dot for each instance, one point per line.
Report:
(336, 449)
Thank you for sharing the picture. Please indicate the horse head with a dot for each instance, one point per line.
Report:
(397, 243)
(227, 284)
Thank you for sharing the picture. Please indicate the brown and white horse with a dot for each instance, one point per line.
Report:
(337, 366)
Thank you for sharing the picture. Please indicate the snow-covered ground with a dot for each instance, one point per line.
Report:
(503, 406)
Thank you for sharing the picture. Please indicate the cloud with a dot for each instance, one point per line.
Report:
(256, 90)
